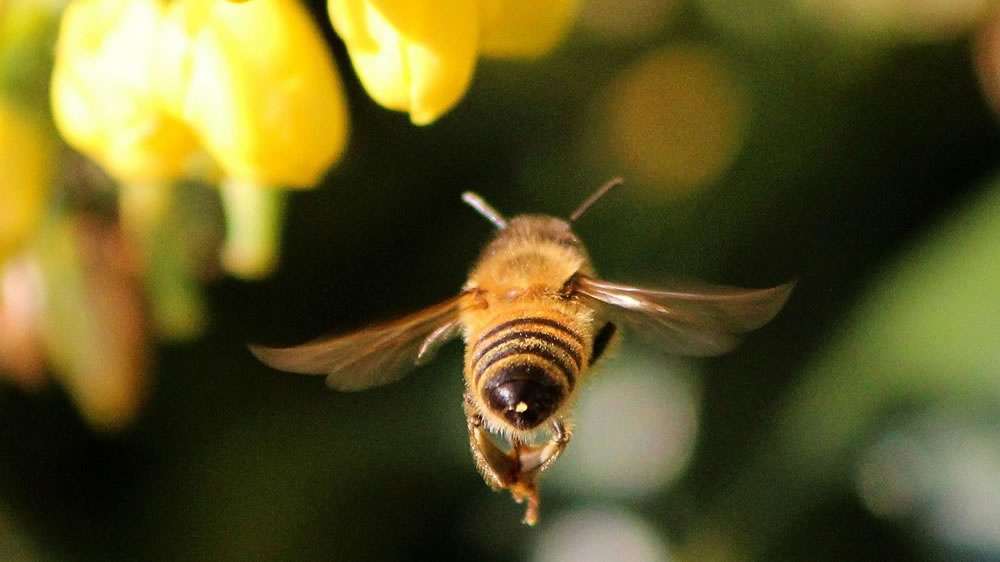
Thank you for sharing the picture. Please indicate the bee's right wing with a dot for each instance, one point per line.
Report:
(373, 356)
(699, 320)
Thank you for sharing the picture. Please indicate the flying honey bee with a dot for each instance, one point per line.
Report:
(535, 318)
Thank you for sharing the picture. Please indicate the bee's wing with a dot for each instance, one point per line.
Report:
(373, 356)
(703, 320)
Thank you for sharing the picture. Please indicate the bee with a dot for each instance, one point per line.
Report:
(535, 318)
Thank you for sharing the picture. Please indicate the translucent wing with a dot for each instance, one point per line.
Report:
(373, 356)
(700, 321)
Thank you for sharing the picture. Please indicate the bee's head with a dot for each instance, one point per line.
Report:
(523, 394)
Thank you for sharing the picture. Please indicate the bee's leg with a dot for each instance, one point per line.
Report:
(499, 469)
(562, 430)
(524, 484)
(535, 460)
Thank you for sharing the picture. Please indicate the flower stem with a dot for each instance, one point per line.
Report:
(254, 216)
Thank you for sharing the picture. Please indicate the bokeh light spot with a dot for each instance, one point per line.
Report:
(599, 535)
(626, 20)
(677, 118)
(753, 20)
(905, 19)
(941, 473)
(636, 426)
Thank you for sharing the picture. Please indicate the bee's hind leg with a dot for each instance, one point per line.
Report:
(532, 462)
(499, 469)
(543, 457)
(519, 469)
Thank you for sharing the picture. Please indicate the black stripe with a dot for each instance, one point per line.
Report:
(514, 335)
(532, 320)
(542, 353)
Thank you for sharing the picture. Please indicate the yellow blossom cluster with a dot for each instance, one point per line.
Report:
(247, 93)
(157, 91)
(168, 95)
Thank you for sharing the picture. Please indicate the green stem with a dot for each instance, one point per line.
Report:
(254, 216)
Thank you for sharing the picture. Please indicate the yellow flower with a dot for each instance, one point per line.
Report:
(102, 91)
(143, 86)
(419, 55)
(157, 90)
(256, 83)
(25, 175)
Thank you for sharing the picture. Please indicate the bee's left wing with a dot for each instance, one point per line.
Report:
(373, 356)
(700, 321)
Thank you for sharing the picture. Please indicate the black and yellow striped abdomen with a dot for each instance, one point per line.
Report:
(525, 367)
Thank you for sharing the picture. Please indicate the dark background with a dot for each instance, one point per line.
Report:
(858, 153)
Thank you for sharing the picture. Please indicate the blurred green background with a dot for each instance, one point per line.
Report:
(760, 141)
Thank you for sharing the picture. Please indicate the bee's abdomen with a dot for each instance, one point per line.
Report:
(543, 343)
(525, 367)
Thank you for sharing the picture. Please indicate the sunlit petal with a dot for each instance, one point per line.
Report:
(257, 83)
(102, 96)
(410, 56)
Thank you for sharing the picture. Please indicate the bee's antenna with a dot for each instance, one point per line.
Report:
(593, 198)
(483, 208)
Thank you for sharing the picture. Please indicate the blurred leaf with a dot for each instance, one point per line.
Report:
(928, 331)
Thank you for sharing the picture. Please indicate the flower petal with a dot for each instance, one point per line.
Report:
(102, 96)
(257, 83)
(410, 56)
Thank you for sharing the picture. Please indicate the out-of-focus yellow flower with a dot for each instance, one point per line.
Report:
(257, 85)
(102, 91)
(419, 55)
(157, 90)
(143, 85)
(25, 175)
(411, 56)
